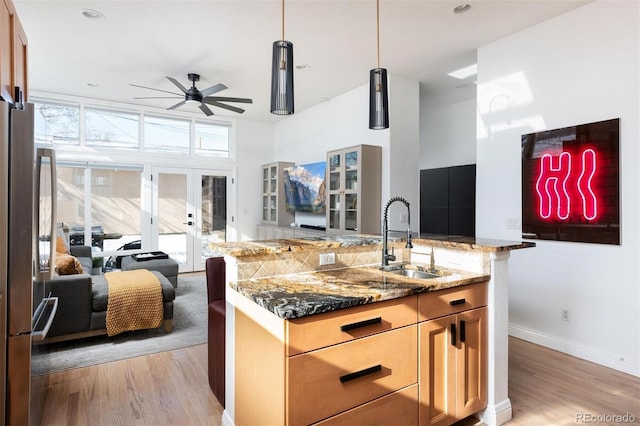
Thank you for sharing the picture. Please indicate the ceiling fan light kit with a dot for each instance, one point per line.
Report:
(378, 93)
(282, 75)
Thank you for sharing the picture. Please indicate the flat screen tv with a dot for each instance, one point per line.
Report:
(304, 188)
(571, 183)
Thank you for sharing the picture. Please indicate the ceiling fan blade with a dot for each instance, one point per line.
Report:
(179, 104)
(223, 99)
(213, 89)
(177, 83)
(219, 105)
(156, 97)
(151, 88)
(206, 110)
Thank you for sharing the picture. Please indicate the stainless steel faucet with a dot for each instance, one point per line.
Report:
(386, 257)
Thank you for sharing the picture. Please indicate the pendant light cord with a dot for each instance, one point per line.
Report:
(377, 29)
(283, 20)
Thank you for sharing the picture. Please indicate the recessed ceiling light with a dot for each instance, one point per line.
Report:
(462, 8)
(465, 72)
(92, 84)
(303, 67)
(324, 99)
(92, 14)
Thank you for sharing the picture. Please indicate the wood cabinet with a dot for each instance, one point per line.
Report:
(453, 360)
(274, 210)
(311, 369)
(391, 362)
(354, 190)
(13, 53)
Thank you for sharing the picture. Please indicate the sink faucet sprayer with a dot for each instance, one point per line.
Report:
(386, 257)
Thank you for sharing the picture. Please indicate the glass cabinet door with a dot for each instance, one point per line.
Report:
(335, 191)
(344, 168)
(352, 161)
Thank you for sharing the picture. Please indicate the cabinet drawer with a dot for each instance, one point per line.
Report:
(399, 408)
(445, 302)
(317, 331)
(329, 381)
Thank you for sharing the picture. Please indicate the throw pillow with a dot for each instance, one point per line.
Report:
(68, 265)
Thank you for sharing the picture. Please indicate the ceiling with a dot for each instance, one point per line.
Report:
(229, 42)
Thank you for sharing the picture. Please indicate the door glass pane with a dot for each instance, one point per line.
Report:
(172, 215)
(214, 212)
(334, 211)
(115, 208)
(70, 202)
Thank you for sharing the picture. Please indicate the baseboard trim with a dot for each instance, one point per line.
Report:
(627, 366)
(226, 419)
(498, 414)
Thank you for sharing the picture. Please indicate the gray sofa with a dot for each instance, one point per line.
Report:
(82, 301)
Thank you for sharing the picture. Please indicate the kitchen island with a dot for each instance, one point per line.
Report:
(284, 307)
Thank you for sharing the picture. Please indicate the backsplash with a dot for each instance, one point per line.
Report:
(294, 262)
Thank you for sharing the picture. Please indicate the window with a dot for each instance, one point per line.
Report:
(111, 129)
(57, 124)
(166, 135)
(212, 139)
(114, 197)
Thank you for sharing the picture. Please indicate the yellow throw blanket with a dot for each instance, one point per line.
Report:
(135, 301)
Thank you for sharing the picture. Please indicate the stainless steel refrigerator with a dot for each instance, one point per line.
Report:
(20, 237)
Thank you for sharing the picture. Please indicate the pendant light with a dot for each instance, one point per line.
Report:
(378, 96)
(282, 75)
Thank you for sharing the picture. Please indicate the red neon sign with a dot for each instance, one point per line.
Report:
(555, 187)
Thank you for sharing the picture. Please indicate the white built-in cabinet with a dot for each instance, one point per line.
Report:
(353, 190)
(274, 210)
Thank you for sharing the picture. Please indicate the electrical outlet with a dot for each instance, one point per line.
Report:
(513, 223)
(327, 258)
(404, 218)
(565, 315)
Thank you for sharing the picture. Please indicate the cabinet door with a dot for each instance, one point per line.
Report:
(437, 372)
(471, 384)
(335, 219)
(6, 54)
(343, 174)
(19, 57)
(351, 170)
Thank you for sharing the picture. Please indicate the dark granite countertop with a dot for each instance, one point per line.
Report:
(298, 295)
(252, 248)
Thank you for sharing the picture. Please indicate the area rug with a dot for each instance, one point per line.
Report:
(189, 328)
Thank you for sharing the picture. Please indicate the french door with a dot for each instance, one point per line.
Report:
(190, 209)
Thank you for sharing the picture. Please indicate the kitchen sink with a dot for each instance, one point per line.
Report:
(412, 273)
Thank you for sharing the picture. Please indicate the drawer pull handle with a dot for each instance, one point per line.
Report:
(361, 373)
(453, 334)
(360, 324)
(457, 302)
(463, 330)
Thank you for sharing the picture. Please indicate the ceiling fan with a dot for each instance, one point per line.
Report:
(198, 97)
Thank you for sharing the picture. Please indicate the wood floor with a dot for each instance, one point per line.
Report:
(171, 388)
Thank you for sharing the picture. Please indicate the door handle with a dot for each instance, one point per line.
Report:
(187, 223)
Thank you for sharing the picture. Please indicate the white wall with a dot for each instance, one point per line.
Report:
(255, 146)
(447, 133)
(580, 67)
(343, 121)
(404, 149)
